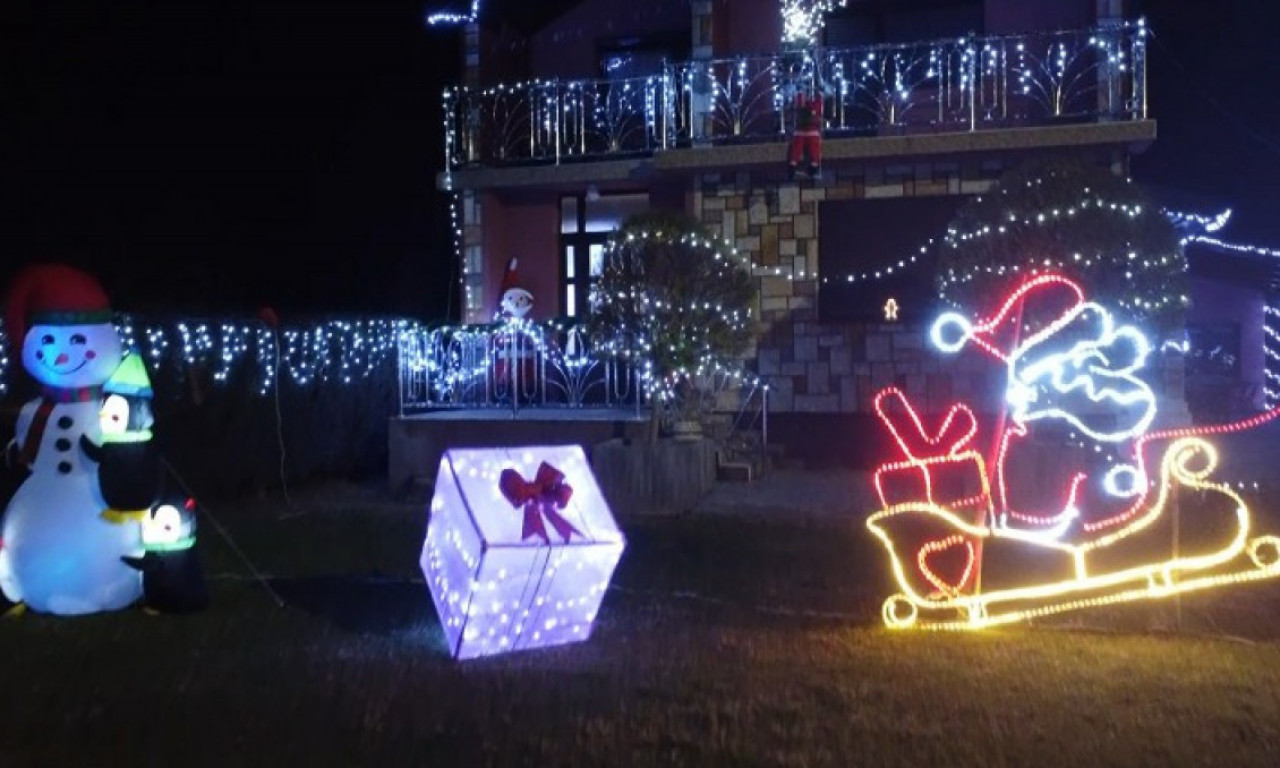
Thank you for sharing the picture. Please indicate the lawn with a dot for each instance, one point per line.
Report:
(745, 641)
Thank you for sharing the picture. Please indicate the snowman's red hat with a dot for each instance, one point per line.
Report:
(53, 294)
(510, 278)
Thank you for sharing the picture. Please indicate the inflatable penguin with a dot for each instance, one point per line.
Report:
(128, 464)
(58, 553)
(172, 577)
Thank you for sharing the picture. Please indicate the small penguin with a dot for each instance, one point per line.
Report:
(172, 576)
(129, 471)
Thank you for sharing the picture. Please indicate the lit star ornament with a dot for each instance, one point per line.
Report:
(802, 20)
(943, 502)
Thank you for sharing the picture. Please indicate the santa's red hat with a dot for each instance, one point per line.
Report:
(1052, 296)
(510, 278)
(53, 294)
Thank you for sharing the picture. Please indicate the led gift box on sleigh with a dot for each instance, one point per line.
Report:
(520, 548)
(945, 505)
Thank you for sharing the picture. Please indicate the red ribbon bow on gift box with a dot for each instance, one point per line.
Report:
(544, 497)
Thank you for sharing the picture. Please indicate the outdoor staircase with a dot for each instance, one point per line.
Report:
(739, 457)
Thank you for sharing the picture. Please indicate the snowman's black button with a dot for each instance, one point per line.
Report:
(64, 467)
(65, 422)
(62, 444)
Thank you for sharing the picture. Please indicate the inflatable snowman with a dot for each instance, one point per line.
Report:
(58, 552)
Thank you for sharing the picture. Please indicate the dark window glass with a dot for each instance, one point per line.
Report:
(861, 238)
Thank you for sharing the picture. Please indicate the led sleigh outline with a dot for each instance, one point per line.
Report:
(1149, 580)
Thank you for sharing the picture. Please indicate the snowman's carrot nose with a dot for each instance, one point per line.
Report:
(62, 358)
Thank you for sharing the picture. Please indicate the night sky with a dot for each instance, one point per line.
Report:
(222, 155)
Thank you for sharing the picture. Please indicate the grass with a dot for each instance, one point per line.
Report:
(724, 642)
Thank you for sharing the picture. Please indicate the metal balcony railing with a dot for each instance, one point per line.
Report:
(521, 366)
(510, 365)
(959, 84)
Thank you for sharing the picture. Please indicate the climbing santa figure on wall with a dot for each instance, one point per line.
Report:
(810, 91)
(58, 552)
(515, 350)
(806, 140)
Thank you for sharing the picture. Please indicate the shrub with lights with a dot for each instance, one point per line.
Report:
(1078, 220)
(677, 303)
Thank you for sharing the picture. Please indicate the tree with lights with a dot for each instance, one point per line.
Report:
(675, 302)
(1077, 220)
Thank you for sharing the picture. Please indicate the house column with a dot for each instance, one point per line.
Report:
(466, 211)
(701, 104)
(1110, 101)
(471, 55)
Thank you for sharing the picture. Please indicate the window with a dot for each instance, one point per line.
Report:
(473, 279)
(585, 224)
(473, 257)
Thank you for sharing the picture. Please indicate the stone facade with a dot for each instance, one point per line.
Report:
(812, 367)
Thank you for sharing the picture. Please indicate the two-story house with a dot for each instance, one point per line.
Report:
(555, 138)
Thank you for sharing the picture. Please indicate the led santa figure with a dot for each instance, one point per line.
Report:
(806, 140)
(58, 552)
(1073, 377)
(516, 349)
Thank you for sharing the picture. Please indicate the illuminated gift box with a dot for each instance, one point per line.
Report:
(520, 548)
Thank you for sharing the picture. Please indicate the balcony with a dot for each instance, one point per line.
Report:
(954, 86)
(551, 370)
(510, 366)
